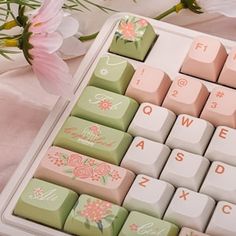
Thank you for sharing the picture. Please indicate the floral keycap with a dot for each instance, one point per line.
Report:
(106, 108)
(133, 38)
(112, 73)
(92, 216)
(85, 175)
(141, 224)
(45, 203)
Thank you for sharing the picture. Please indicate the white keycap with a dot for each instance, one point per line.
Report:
(146, 157)
(220, 182)
(152, 122)
(190, 209)
(185, 169)
(222, 146)
(223, 221)
(149, 195)
(190, 134)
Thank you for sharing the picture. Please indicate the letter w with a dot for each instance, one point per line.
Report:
(186, 121)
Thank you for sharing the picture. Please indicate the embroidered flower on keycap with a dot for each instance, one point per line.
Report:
(133, 227)
(75, 160)
(58, 159)
(105, 104)
(95, 130)
(38, 192)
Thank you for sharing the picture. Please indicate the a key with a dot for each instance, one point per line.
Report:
(220, 108)
(142, 224)
(148, 85)
(185, 169)
(94, 140)
(186, 96)
(85, 175)
(190, 232)
(133, 38)
(205, 58)
(219, 182)
(106, 108)
(149, 196)
(228, 74)
(112, 73)
(45, 203)
(93, 216)
(222, 222)
(190, 134)
(190, 209)
(222, 146)
(145, 157)
(152, 122)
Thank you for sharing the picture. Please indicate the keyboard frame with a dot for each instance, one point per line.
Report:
(12, 225)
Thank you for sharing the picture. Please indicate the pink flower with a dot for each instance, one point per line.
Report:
(143, 22)
(128, 30)
(95, 129)
(103, 169)
(74, 160)
(105, 105)
(133, 227)
(83, 172)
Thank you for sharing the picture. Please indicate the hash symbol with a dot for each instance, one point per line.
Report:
(220, 94)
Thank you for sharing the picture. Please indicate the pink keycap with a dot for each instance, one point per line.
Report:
(85, 175)
(148, 85)
(191, 232)
(220, 108)
(186, 96)
(228, 74)
(205, 58)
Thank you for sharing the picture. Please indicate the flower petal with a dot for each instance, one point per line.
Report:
(68, 27)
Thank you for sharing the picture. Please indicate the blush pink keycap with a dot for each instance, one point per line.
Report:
(186, 96)
(228, 74)
(205, 58)
(85, 175)
(220, 108)
(148, 85)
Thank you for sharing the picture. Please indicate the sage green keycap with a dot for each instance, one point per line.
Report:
(106, 108)
(45, 203)
(93, 216)
(141, 224)
(92, 139)
(133, 38)
(112, 73)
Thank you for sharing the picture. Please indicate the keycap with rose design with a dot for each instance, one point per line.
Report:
(93, 216)
(94, 140)
(85, 175)
(133, 38)
(142, 224)
(45, 203)
(105, 107)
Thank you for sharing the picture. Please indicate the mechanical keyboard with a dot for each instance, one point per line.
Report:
(146, 146)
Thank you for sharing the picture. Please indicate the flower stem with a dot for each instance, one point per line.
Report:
(88, 37)
(173, 9)
(9, 25)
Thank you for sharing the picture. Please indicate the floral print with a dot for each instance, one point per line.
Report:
(105, 104)
(133, 227)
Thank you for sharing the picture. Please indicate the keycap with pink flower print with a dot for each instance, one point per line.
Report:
(85, 175)
(93, 216)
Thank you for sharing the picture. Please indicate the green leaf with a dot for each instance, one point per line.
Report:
(68, 171)
(87, 224)
(100, 226)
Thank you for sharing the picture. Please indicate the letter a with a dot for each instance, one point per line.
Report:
(140, 144)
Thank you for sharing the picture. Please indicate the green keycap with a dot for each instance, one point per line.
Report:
(92, 139)
(112, 73)
(45, 203)
(141, 224)
(106, 108)
(93, 216)
(133, 38)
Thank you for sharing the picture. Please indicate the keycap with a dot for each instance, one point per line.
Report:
(205, 58)
(185, 169)
(141, 224)
(106, 108)
(220, 108)
(219, 182)
(133, 38)
(190, 134)
(148, 84)
(85, 175)
(94, 140)
(186, 96)
(222, 146)
(112, 73)
(228, 74)
(152, 122)
(190, 232)
(190, 209)
(149, 196)
(45, 203)
(146, 157)
(93, 216)
(222, 222)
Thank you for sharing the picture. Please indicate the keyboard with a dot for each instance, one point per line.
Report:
(146, 146)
